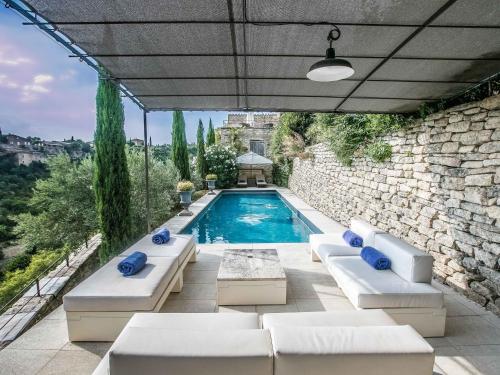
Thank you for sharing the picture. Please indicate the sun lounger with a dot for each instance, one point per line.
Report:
(260, 180)
(242, 181)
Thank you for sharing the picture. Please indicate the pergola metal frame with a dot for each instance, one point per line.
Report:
(241, 76)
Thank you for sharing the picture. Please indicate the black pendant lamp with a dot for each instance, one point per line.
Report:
(330, 68)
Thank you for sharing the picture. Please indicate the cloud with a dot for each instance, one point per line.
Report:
(6, 82)
(67, 75)
(13, 61)
(38, 86)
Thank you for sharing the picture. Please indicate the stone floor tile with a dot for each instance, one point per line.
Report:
(195, 291)
(450, 360)
(327, 304)
(189, 306)
(99, 348)
(74, 362)
(57, 314)
(200, 276)
(24, 362)
(471, 330)
(45, 335)
(290, 306)
(486, 358)
(455, 308)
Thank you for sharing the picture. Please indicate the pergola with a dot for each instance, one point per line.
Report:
(254, 54)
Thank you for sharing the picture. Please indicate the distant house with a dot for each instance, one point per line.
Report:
(254, 130)
(137, 142)
(26, 158)
(16, 140)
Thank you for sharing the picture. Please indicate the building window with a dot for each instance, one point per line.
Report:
(257, 147)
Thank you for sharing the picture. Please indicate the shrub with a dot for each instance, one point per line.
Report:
(379, 151)
(221, 161)
(185, 186)
(17, 262)
(211, 177)
(15, 281)
(198, 194)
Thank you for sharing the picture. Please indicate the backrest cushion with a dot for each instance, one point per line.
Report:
(365, 230)
(407, 261)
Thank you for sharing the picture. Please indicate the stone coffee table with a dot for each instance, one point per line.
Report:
(251, 277)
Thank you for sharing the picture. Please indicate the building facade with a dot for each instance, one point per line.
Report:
(252, 131)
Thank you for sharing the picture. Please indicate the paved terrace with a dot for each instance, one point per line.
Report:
(471, 344)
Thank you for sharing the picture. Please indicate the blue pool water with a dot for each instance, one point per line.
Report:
(248, 218)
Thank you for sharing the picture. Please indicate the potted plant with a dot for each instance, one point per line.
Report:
(211, 178)
(185, 190)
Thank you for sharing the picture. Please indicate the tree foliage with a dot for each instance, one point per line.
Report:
(179, 145)
(163, 178)
(221, 161)
(297, 122)
(201, 162)
(62, 207)
(111, 176)
(210, 134)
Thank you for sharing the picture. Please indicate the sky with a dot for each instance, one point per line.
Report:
(47, 94)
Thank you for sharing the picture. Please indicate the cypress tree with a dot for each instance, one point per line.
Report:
(111, 176)
(210, 134)
(201, 162)
(179, 146)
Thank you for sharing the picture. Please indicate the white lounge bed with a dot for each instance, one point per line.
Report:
(321, 343)
(242, 181)
(260, 180)
(99, 307)
(404, 291)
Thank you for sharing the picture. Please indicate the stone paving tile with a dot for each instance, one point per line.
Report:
(46, 335)
(74, 362)
(24, 362)
(471, 330)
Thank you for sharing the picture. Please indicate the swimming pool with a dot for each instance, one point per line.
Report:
(260, 217)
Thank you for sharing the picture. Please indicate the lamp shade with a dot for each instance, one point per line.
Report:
(330, 68)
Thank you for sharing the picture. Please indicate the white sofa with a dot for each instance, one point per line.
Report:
(327, 244)
(404, 291)
(185, 344)
(99, 307)
(321, 343)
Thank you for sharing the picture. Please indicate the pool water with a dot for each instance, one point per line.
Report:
(248, 218)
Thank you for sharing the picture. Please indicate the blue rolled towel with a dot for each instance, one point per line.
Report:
(161, 236)
(375, 258)
(352, 238)
(132, 264)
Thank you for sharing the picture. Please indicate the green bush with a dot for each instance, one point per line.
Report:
(221, 161)
(15, 281)
(379, 151)
(17, 262)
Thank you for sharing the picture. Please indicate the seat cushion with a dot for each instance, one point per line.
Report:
(164, 351)
(350, 350)
(108, 290)
(407, 261)
(195, 321)
(331, 244)
(178, 246)
(328, 319)
(365, 230)
(368, 288)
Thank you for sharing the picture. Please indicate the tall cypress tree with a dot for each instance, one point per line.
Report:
(201, 162)
(111, 176)
(179, 146)
(210, 134)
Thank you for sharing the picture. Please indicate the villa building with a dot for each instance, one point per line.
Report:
(254, 131)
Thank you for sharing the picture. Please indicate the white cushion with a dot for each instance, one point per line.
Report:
(365, 230)
(368, 288)
(351, 350)
(108, 290)
(177, 246)
(407, 261)
(331, 244)
(155, 351)
(328, 319)
(195, 321)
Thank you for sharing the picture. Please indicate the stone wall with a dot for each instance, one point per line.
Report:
(247, 134)
(439, 192)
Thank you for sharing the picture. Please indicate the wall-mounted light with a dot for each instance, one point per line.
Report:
(330, 68)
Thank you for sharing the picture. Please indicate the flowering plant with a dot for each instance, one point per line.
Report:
(221, 161)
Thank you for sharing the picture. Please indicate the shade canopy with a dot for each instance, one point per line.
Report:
(255, 54)
(251, 158)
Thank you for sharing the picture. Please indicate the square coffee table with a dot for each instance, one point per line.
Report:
(251, 277)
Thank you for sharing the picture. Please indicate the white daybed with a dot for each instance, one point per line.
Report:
(99, 307)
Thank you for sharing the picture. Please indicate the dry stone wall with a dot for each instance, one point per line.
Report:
(440, 192)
